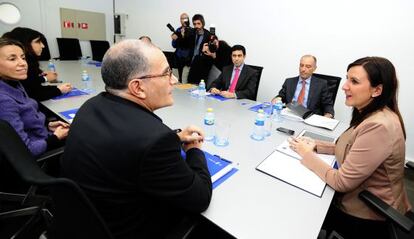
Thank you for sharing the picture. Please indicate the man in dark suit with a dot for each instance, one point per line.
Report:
(200, 66)
(237, 80)
(126, 160)
(307, 90)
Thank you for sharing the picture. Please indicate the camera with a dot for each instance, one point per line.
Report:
(186, 23)
(170, 27)
(212, 47)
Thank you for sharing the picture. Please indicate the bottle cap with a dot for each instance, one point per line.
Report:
(209, 109)
(260, 111)
(84, 71)
(202, 80)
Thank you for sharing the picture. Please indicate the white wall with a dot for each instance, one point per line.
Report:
(277, 33)
(44, 16)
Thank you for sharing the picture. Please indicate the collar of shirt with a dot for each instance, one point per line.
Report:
(308, 80)
(240, 67)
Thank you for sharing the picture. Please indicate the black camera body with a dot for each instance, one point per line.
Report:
(212, 47)
(187, 23)
(170, 27)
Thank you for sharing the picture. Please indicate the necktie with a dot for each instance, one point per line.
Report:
(301, 96)
(235, 79)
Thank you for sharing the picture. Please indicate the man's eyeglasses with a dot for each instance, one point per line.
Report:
(168, 73)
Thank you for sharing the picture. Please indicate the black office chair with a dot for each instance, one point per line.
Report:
(73, 216)
(69, 49)
(213, 74)
(259, 70)
(99, 49)
(399, 226)
(333, 84)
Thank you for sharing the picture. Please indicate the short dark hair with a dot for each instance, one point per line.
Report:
(380, 71)
(238, 48)
(200, 18)
(123, 62)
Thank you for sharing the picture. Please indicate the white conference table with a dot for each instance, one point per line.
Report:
(249, 204)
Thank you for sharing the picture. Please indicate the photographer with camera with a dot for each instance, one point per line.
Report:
(198, 70)
(218, 51)
(182, 42)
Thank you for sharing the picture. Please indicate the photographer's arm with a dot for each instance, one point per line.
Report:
(207, 52)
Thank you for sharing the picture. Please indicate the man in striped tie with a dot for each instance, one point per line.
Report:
(307, 90)
(237, 80)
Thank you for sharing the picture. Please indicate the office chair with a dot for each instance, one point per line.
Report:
(333, 84)
(99, 49)
(69, 49)
(74, 216)
(259, 70)
(213, 74)
(399, 226)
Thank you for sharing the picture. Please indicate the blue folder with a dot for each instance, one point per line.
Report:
(72, 93)
(69, 114)
(218, 97)
(215, 163)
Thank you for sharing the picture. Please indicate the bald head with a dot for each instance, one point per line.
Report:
(124, 61)
(307, 66)
(184, 18)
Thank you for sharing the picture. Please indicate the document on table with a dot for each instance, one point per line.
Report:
(220, 169)
(284, 164)
(321, 121)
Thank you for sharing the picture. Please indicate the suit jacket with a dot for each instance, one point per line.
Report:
(129, 164)
(371, 156)
(319, 98)
(200, 64)
(246, 85)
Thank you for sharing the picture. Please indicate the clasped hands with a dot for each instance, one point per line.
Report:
(191, 137)
(59, 128)
(302, 145)
(225, 94)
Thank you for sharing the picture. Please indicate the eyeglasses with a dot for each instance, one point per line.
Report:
(168, 73)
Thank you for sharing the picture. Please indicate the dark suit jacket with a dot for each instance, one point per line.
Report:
(200, 64)
(246, 85)
(319, 98)
(129, 164)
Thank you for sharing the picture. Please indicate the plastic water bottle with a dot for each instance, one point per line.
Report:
(209, 125)
(202, 89)
(277, 111)
(51, 66)
(86, 81)
(259, 126)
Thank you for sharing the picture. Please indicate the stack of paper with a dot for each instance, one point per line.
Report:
(321, 121)
(284, 164)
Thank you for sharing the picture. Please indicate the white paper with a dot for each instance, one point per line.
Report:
(221, 173)
(321, 121)
(291, 171)
(287, 113)
(284, 148)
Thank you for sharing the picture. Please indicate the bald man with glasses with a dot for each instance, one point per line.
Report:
(126, 160)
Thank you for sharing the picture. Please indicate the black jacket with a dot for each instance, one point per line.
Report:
(129, 164)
